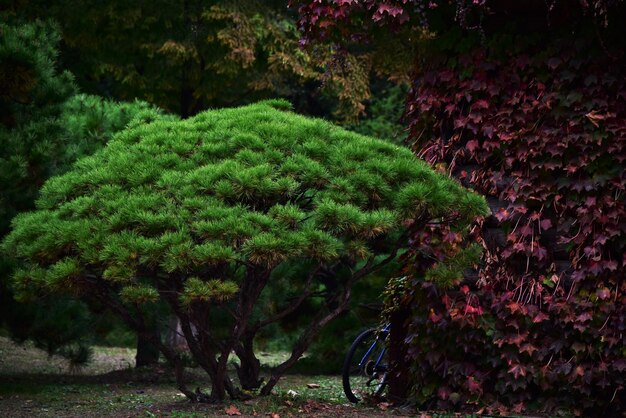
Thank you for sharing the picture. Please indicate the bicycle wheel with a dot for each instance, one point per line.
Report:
(365, 366)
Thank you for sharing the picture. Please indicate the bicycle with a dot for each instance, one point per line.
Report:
(365, 367)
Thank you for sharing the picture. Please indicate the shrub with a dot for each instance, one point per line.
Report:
(31, 103)
(200, 213)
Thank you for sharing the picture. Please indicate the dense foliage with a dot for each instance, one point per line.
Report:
(187, 56)
(544, 135)
(384, 114)
(45, 125)
(346, 20)
(537, 123)
(203, 213)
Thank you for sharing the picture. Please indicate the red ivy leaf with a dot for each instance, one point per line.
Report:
(527, 348)
(389, 9)
(443, 393)
(513, 307)
(546, 224)
(481, 104)
(578, 371)
(471, 145)
(434, 318)
(473, 385)
(517, 370)
(502, 214)
(540, 252)
(540, 317)
(610, 265)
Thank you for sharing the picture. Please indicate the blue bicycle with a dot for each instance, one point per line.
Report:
(366, 367)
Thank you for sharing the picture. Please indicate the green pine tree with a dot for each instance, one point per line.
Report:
(203, 213)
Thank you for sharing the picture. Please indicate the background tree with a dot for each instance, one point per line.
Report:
(45, 127)
(201, 214)
(535, 120)
(190, 55)
(31, 103)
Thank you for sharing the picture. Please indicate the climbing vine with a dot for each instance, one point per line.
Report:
(543, 135)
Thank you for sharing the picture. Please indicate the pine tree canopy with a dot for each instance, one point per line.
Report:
(199, 213)
(198, 198)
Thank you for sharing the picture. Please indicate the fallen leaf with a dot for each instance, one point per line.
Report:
(383, 406)
(312, 385)
(232, 410)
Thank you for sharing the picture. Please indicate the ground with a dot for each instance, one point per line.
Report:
(35, 385)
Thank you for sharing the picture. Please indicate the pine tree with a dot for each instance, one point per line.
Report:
(202, 213)
(30, 104)
(44, 128)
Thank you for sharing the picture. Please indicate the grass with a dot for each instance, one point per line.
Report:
(35, 385)
(32, 384)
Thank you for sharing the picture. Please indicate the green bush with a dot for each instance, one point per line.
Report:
(203, 213)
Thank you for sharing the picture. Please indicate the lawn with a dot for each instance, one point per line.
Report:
(35, 385)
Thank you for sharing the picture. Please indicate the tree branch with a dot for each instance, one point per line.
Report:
(304, 342)
(306, 292)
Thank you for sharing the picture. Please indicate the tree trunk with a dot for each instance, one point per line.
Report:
(250, 368)
(147, 353)
(218, 385)
(399, 369)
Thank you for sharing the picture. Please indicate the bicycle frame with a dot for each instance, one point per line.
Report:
(382, 353)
